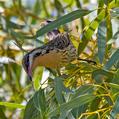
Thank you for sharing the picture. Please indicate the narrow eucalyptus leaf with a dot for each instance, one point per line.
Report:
(36, 107)
(59, 90)
(115, 12)
(115, 109)
(100, 75)
(90, 31)
(101, 40)
(75, 102)
(62, 20)
(114, 58)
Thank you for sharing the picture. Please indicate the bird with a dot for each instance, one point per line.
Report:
(55, 54)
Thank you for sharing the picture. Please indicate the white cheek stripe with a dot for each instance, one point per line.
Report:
(31, 56)
(30, 59)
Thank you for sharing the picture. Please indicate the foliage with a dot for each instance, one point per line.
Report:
(84, 90)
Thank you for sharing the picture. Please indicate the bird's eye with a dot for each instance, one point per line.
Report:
(37, 54)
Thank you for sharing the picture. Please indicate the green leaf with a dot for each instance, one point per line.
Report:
(39, 101)
(59, 6)
(13, 25)
(90, 31)
(115, 12)
(100, 5)
(101, 40)
(75, 102)
(12, 105)
(37, 7)
(114, 4)
(94, 116)
(114, 89)
(116, 77)
(109, 29)
(79, 110)
(113, 85)
(30, 111)
(20, 35)
(62, 20)
(37, 77)
(107, 2)
(95, 104)
(114, 38)
(2, 113)
(36, 107)
(115, 109)
(116, 35)
(114, 58)
(85, 89)
(79, 5)
(99, 75)
(59, 89)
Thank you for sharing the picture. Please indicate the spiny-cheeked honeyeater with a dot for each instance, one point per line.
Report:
(57, 53)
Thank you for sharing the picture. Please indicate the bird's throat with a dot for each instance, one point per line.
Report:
(49, 60)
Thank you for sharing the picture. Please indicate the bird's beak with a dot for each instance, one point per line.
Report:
(30, 77)
(29, 73)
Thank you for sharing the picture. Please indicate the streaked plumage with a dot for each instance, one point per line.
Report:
(55, 54)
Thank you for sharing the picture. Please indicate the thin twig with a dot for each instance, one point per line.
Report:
(87, 60)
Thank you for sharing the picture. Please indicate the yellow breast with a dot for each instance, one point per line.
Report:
(49, 60)
(55, 59)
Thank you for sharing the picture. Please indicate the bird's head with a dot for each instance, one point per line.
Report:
(51, 34)
(26, 62)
